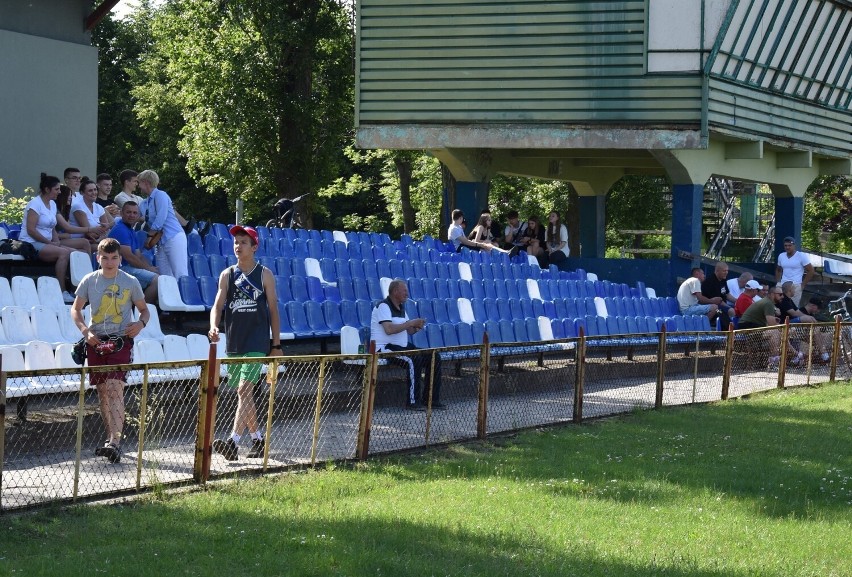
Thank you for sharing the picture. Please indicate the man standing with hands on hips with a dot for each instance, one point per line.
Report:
(247, 296)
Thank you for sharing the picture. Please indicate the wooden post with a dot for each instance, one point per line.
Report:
(782, 363)
(272, 381)
(835, 348)
(810, 357)
(579, 376)
(78, 450)
(368, 393)
(317, 413)
(429, 396)
(143, 416)
(2, 426)
(206, 416)
(661, 369)
(729, 362)
(484, 365)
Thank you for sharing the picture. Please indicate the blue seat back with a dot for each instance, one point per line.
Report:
(519, 327)
(299, 288)
(425, 310)
(298, 319)
(316, 318)
(315, 292)
(452, 306)
(365, 311)
(440, 308)
(434, 335)
(349, 313)
(199, 265)
(465, 334)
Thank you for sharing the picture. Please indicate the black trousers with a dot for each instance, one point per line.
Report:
(418, 362)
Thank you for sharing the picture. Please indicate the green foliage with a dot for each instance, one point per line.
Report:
(12, 207)
(828, 204)
(260, 90)
(637, 203)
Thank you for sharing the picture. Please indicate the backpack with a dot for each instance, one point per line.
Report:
(18, 247)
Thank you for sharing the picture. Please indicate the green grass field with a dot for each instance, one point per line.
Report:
(751, 487)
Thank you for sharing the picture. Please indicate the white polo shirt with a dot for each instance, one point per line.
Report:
(793, 266)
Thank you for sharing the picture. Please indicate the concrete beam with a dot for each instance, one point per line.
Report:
(835, 166)
(794, 159)
(744, 150)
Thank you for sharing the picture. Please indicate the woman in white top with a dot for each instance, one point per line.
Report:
(85, 212)
(39, 229)
(556, 239)
(71, 235)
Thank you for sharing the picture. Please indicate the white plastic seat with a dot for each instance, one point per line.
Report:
(50, 294)
(147, 351)
(46, 325)
(312, 267)
(533, 261)
(13, 360)
(466, 311)
(350, 340)
(4, 342)
(64, 360)
(464, 272)
(385, 282)
(175, 348)
(24, 292)
(591, 276)
(532, 289)
(152, 330)
(600, 307)
(39, 356)
(199, 347)
(80, 265)
(6, 298)
(650, 293)
(17, 326)
(339, 236)
(169, 296)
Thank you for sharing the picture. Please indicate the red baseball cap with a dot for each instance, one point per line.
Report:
(235, 230)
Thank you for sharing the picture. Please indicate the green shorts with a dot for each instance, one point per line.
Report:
(239, 372)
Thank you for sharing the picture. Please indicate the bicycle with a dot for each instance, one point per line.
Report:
(842, 308)
(288, 214)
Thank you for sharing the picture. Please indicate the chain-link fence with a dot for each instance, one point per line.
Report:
(179, 418)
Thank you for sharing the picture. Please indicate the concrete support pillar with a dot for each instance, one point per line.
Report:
(687, 200)
(592, 226)
(788, 220)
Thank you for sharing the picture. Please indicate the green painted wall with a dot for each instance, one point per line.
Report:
(508, 61)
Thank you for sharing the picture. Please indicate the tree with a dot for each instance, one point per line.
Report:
(263, 90)
(828, 204)
(638, 203)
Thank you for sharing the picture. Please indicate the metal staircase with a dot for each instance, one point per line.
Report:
(724, 191)
(764, 251)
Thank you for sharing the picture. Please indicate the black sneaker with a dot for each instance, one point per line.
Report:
(256, 451)
(227, 449)
(190, 225)
(111, 451)
(415, 407)
(439, 406)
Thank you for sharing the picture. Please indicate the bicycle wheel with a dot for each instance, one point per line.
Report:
(846, 346)
(272, 223)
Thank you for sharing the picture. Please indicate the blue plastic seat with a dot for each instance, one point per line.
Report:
(441, 288)
(453, 270)
(199, 266)
(349, 314)
(452, 306)
(374, 289)
(453, 288)
(268, 262)
(434, 335)
(362, 291)
(477, 288)
(285, 248)
(478, 330)
(449, 335)
(544, 290)
(491, 310)
(521, 288)
(517, 311)
(282, 287)
(369, 268)
(341, 251)
(465, 334)
(440, 308)
(332, 293)
(479, 312)
(547, 309)
(299, 288)
(315, 292)
(194, 244)
(419, 269)
(428, 287)
(356, 269)
(300, 249)
(557, 328)
(341, 269)
(276, 233)
(353, 251)
(316, 319)
(415, 288)
(507, 331)
(561, 308)
(531, 310)
(383, 269)
(303, 233)
(408, 270)
(226, 245)
(207, 287)
(189, 292)
(431, 270)
(298, 319)
(533, 333)
(219, 230)
(420, 339)
(504, 309)
(500, 289)
(425, 311)
(299, 267)
(396, 269)
(331, 312)
(327, 249)
(466, 289)
(347, 292)
(217, 264)
(493, 330)
(497, 271)
(211, 245)
(519, 327)
(365, 312)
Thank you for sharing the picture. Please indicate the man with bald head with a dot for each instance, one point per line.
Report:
(715, 288)
(736, 286)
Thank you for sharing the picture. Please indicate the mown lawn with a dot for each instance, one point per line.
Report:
(750, 487)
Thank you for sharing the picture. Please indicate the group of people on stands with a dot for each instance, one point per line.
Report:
(77, 215)
(549, 244)
(756, 305)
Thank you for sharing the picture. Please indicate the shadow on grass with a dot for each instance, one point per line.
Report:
(185, 540)
(787, 461)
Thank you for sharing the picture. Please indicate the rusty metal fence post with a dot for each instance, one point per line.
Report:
(272, 381)
(729, 363)
(661, 368)
(579, 376)
(206, 417)
(835, 348)
(482, 409)
(782, 363)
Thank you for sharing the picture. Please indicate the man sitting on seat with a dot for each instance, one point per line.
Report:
(134, 262)
(762, 314)
(692, 302)
(389, 328)
(746, 299)
(715, 288)
(737, 285)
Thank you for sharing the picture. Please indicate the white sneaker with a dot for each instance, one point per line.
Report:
(67, 297)
(774, 361)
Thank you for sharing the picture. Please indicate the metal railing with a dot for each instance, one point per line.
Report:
(336, 407)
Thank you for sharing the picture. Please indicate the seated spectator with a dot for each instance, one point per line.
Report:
(690, 299)
(104, 184)
(532, 238)
(390, 327)
(715, 288)
(39, 229)
(129, 181)
(69, 234)
(133, 262)
(513, 232)
(789, 309)
(736, 285)
(762, 314)
(762, 293)
(481, 234)
(556, 239)
(456, 234)
(172, 258)
(746, 298)
(86, 213)
(821, 337)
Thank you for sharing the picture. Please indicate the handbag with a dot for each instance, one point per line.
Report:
(78, 352)
(153, 239)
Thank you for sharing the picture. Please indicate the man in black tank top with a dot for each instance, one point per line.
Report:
(247, 296)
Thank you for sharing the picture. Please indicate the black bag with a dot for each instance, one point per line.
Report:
(557, 256)
(78, 353)
(18, 247)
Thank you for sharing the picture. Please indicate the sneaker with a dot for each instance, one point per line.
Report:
(67, 297)
(111, 451)
(799, 360)
(227, 449)
(415, 407)
(256, 451)
(190, 225)
(773, 362)
(439, 406)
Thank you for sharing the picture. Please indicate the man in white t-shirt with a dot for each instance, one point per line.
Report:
(389, 328)
(691, 301)
(795, 267)
(736, 286)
